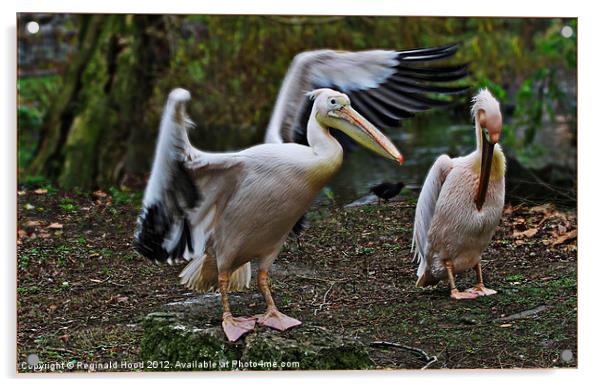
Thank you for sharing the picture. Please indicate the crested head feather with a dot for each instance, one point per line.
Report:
(315, 93)
(484, 100)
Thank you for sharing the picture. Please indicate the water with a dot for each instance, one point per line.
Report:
(420, 145)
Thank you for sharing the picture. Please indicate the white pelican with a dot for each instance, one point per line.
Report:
(461, 204)
(385, 86)
(221, 210)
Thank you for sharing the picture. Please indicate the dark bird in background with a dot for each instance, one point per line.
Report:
(387, 190)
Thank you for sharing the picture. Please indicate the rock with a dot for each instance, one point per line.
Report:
(188, 336)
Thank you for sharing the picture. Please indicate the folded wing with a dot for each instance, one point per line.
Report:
(425, 208)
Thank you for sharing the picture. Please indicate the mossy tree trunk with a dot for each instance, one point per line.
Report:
(97, 131)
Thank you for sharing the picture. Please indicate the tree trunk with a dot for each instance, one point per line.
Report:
(98, 130)
(49, 154)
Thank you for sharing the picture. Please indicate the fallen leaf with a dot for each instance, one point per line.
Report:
(99, 194)
(64, 337)
(21, 193)
(505, 325)
(543, 209)
(565, 237)
(40, 191)
(33, 223)
(44, 235)
(55, 226)
(21, 233)
(529, 233)
(28, 206)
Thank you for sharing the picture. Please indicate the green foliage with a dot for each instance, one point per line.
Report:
(34, 98)
(234, 66)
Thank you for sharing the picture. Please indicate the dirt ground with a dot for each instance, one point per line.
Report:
(83, 291)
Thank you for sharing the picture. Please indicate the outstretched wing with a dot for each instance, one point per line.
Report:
(425, 208)
(173, 222)
(384, 86)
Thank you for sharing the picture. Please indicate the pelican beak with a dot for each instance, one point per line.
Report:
(361, 130)
(490, 135)
(486, 158)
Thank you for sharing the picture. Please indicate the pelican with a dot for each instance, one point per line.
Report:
(385, 86)
(461, 204)
(219, 211)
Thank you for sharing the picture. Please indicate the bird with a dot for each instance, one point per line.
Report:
(386, 87)
(461, 204)
(387, 190)
(219, 211)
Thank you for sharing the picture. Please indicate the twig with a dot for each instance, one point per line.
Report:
(63, 350)
(428, 359)
(100, 281)
(523, 314)
(320, 279)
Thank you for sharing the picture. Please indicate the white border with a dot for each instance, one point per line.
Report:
(589, 69)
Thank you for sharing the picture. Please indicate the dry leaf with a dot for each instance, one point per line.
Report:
(527, 233)
(33, 223)
(40, 191)
(99, 194)
(505, 325)
(44, 235)
(64, 337)
(21, 234)
(543, 209)
(55, 226)
(565, 237)
(21, 193)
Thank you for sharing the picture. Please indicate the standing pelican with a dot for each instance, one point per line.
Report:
(385, 86)
(461, 204)
(221, 210)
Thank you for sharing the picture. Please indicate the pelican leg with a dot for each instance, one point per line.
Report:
(234, 327)
(272, 318)
(455, 293)
(480, 289)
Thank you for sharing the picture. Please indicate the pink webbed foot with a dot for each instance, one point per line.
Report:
(458, 295)
(235, 327)
(275, 319)
(481, 290)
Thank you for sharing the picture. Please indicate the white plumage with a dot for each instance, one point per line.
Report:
(450, 230)
(222, 210)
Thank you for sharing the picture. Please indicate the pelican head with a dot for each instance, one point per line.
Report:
(333, 109)
(488, 123)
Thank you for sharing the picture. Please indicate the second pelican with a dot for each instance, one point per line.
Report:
(461, 204)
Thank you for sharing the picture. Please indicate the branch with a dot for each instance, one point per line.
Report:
(425, 356)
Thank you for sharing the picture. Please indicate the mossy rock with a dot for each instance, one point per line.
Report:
(188, 336)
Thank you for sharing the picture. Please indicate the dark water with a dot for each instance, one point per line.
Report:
(420, 145)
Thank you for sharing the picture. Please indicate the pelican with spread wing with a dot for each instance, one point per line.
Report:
(219, 211)
(461, 204)
(385, 86)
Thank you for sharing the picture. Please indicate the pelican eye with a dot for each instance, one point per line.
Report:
(333, 101)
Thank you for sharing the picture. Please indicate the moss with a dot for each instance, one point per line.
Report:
(170, 342)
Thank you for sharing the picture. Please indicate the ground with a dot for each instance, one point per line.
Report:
(83, 292)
